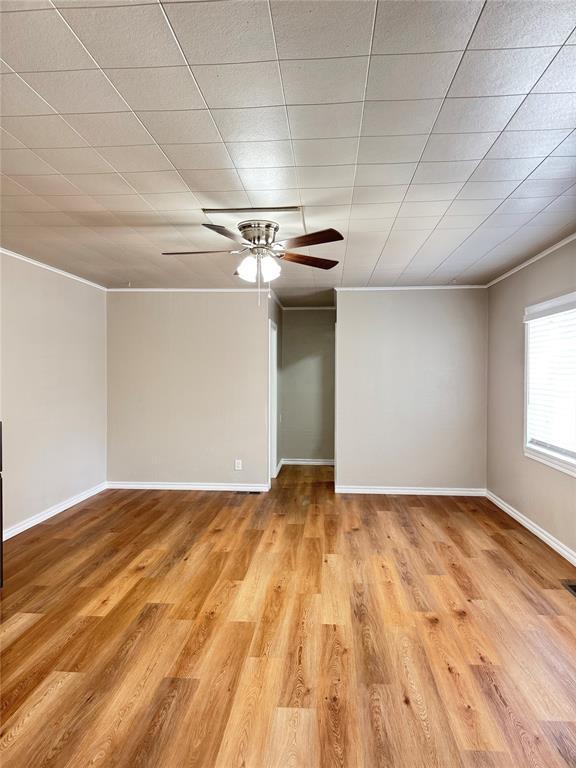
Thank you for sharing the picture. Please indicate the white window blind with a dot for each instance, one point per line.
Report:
(551, 381)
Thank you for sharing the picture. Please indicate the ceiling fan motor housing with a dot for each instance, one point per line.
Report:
(258, 232)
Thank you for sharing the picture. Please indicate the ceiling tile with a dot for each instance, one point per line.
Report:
(261, 154)
(383, 118)
(324, 81)
(9, 142)
(86, 90)
(43, 131)
(374, 211)
(462, 222)
(458, 146)
(175, 127)
(271, 197)
(429, 208)
(47, 185)
(176, 201)
(500, 72)
(493, 169)
(325, 151)
(156, 182)
(411, 223)
(268, 178)
(487, 190)
(542, 187)
(233, 85)
(17, 98)
(522, 23)
(220, 33)
(15, 161)
(556, 168)
(110, 129)
(391, 194)
(328, 196)
(10, 186)
(424, 192)
(197, 157)
(461, 170)
(74, 203)
(473, 207)
(146, 158)
(560, 77)
(100, 183)
(25, 203)
(316, 30)
(213, 181)
(541, 111)
(490, 113)
(568, 146)
(125, 36)
(325, 121)
(526, 143)
(384, 174)
(418, 76)
(391, 149)
(326, 176)
(423, 26)
(38, 41)
(218, 199)
(157, 88)
(122, 203)
(524, 204)
(257, 124)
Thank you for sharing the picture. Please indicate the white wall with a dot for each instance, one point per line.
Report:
(188, 387)
(307, 384)
(411, 388)
(53, 382)
(543, 494)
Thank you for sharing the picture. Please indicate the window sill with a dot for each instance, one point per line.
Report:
(551, 459)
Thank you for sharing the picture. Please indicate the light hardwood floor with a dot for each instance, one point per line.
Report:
(294, 629)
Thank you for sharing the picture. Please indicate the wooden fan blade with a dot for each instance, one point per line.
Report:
(309, 261)
(314, 238)
(225, 232)
(191, 253)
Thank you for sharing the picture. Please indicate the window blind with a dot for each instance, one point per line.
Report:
(551, 383)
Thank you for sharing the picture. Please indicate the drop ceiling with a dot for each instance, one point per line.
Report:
(438, 137)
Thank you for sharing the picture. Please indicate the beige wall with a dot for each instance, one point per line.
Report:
(411, 388)
(188, 387)
(307, 385)
(53, 388)
(543, 494)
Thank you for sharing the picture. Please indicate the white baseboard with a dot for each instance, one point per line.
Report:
(408, 491)
(546, 537)
(51, 511)
(308, 462)
(246, 487)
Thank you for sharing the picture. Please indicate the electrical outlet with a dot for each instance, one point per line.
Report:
(237, 464)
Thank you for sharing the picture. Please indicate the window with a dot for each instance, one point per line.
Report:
(550, 419)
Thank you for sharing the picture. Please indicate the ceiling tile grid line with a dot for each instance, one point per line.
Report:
(454, 74)
(508, 196)
(467, 156)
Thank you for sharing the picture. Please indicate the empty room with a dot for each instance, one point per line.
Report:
(288, 383)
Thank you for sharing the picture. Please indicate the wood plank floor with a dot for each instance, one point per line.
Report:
(294, 629)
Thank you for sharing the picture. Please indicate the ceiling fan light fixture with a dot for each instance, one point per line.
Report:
(248, 269)
(270, 269)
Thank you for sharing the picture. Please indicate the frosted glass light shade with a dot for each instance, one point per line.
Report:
(248, 269)
(270, 269)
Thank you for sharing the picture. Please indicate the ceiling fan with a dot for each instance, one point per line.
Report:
(265, 253)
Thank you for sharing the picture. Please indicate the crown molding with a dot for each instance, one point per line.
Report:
(47, 267)
(416, 288)
(532, 260)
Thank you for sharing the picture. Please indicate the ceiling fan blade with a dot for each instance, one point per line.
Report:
(191, 253)
(314, 238)
(308, 261)
(225, 232)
